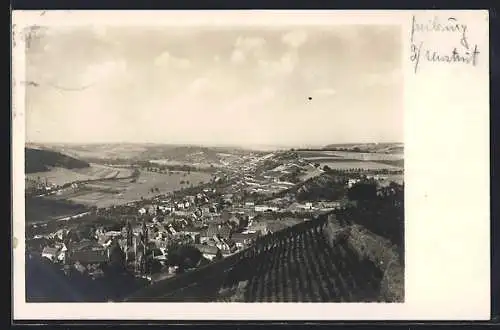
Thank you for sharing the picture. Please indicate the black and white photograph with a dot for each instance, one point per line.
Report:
(214, 164)
(217, 163)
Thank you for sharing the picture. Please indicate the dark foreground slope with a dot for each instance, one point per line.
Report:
(308, 269)
(46, 282)
(314, 261)
(39, 160)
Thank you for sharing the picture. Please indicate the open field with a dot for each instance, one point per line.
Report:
(394, 147)
(347, 160)
(60, 176)
(200, 164)
(107, 193)
(369, 156)
(344, 165)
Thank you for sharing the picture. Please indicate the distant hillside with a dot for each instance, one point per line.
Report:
(39, 160)
(368, 147)
(95, 153)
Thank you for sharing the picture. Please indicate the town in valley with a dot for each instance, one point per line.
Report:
(110, 228)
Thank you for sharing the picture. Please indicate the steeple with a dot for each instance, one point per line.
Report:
(129, 233)
(144, 232)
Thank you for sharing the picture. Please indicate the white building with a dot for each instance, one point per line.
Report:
(50, 253)
(264, 208)
(352, 182)
(209, 252)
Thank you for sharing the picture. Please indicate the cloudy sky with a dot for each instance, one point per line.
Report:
(215, 86)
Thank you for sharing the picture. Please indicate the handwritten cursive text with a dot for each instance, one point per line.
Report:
(462, 52)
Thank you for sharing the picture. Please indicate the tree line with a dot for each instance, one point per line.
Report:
(379, 210)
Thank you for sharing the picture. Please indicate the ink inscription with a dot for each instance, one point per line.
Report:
(462, 52)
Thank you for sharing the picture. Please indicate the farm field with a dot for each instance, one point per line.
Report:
(60, 176)
(351, 155)
(107, 193)
(348, 160)
(345, 165)
(200, 165)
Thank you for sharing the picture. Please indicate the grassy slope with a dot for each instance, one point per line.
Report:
(382, 253)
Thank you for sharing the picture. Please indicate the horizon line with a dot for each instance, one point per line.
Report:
(213, 145)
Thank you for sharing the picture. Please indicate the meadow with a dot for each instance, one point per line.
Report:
(351, 160)
(371, 156)
(345, 165)
(122, 191)
(60, 176)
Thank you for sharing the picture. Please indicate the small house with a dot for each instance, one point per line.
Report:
(209, 252)
(243, 240)
(227, 246)
(265, 208)
(50, 253)
(195, 236)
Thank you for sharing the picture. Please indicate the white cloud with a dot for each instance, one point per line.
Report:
(285, 65)
(324, 92)
(245, 47)
(165, 59)
(238, 56)
(295, 39)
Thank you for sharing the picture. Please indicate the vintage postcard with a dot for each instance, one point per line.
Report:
(322, 165)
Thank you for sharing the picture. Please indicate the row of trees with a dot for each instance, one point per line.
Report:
(354, 149)
(327, 169)
(165, 168)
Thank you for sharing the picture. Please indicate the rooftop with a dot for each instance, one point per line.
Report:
(207, 249)
(89, 257)
(50, 250)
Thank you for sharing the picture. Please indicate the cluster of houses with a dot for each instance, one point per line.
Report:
(87, 256)
(217, 224)
(216, 235)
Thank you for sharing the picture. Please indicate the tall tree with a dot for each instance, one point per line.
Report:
(116, 258)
